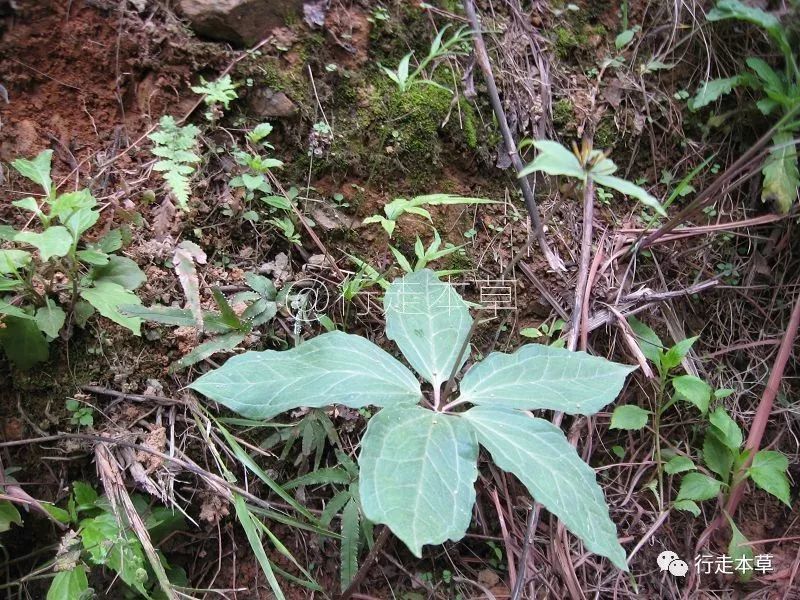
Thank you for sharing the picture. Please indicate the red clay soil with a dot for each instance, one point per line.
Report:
(79, 79)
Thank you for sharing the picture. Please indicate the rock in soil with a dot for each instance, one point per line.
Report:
(241, 22)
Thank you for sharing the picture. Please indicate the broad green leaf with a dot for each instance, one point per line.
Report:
(648, 341)
(120, 270)
(734, 9)
(629, 417)
(85, 495)
(37, 170)
(624, 38)
(679, 464)
(14, 311)
(50, 318)
(540, 456)
(220, 343)
(673, 357)
(688, 506)
(429, 322)
(781, 175)
(629, 188)
(772, 81)
(717, 456)
(22, 342)
(696, 486)
(538, 376)
(53, 241)
(13, 260)
(69, 585)
(740, 551)
(351, 538)
(768, 471)
(418, 471)
(110, 242)
(8, 515)
(28, 204)
(109, 544)
(694, 390)
(82, 312)
(93, 257)
(554, 159)
(726, 428)
(333, 368)
(106, 297)
(715, 88)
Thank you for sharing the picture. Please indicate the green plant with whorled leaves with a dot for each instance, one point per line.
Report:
(400, 206)
(780, 96)
(586, 164)
(418, 460)
(52, 276)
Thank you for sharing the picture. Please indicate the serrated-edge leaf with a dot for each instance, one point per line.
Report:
(540, 456)
(730, 433)
(351, 538)
(37, 170)
(688, 506)
(716, 455)
(50, 318)
(698, 487)
(429, 322)
(418, 470)
(543, 377)
(333, 368)
(693, 389)
(220, 343)
(323, 476)
(679, 464)
(768, 471)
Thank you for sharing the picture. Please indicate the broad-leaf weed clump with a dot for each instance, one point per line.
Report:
(780, 98)
(51, 276)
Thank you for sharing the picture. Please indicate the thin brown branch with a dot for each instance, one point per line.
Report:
(482, 58)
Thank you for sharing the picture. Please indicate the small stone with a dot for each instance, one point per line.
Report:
(267, 103)
(241, 22)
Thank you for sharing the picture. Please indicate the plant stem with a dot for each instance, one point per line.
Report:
(586, 255)
(662, 388)
(482, 57)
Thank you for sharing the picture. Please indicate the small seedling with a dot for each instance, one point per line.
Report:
(175, 146)
(440, 49)
(80, 415)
